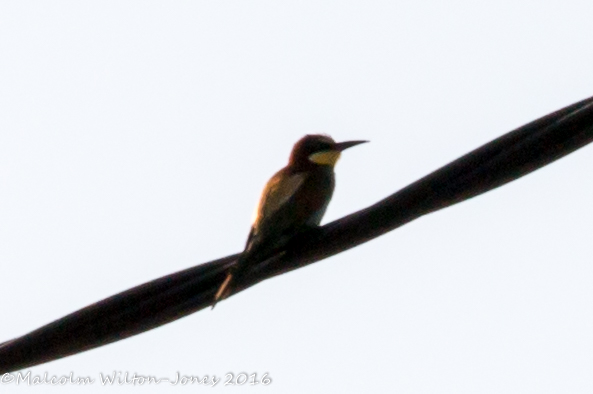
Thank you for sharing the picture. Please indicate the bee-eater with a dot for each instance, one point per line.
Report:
(293, 201)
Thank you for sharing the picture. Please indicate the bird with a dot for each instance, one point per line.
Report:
(293, 201)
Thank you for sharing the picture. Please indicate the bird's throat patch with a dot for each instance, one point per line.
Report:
(327, 158)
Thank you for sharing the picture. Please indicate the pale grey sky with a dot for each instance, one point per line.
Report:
(135, 138)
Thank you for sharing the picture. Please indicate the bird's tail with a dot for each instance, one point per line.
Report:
(236, 274)
(223, 289)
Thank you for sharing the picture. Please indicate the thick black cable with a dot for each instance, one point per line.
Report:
(169, 298)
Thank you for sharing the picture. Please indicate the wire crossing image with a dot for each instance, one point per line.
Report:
(171, 297)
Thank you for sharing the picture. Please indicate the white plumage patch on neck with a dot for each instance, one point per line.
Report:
(326, 158)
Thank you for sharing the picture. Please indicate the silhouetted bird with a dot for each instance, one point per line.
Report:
(294, 200)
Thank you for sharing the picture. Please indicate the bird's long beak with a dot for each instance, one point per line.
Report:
(347, 144)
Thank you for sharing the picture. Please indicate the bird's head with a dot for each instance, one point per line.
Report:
(318, 149)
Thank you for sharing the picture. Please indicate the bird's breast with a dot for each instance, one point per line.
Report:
(314, 196)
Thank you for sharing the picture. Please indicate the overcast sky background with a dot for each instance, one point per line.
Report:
(135, 139)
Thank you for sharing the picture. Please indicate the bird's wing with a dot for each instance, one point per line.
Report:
(279, 189)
